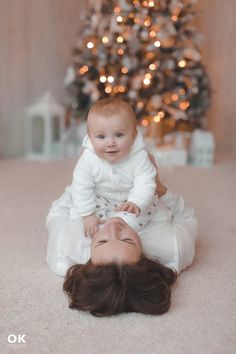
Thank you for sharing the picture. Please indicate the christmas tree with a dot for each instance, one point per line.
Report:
(146, 52)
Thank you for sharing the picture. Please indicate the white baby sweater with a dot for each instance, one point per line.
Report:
(131, 179)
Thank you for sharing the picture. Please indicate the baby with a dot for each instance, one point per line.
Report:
(114, 176)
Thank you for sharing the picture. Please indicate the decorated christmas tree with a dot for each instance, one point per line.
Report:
(146, 52)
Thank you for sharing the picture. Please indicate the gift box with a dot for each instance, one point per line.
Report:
(202, 148)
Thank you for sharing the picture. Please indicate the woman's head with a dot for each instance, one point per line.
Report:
(116, 242)
(113, 288)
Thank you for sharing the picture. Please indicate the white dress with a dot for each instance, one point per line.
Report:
(169, 237)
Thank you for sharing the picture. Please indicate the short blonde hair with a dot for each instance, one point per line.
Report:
(110, 106)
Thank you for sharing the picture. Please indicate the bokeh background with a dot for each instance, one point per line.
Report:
(36, 40)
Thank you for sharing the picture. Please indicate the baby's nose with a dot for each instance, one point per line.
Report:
(110, 142)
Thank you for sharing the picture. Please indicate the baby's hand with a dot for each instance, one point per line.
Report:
(129, 207)
(90, 225)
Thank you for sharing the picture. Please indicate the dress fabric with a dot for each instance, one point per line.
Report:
(169, 236)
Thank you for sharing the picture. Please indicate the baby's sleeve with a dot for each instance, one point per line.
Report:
(83, 185)
(144, 183)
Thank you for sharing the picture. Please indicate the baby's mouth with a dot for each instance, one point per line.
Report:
(112, 152)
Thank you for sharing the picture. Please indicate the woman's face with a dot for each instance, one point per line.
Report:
(116, 242)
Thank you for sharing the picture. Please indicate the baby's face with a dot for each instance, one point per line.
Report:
(112, 137)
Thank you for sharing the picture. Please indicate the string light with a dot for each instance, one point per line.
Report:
(117, 10)
(175, 97)
(148, 76)
(152, 33)
(110, 79)
(105, 39)
(156, 119)
(152, 66)
(108, 89)
(120, 39)
(103, 79)
(124, 70)
(119, 19)
(144, 122)
(174, 18)
(184, 105)
(83, 69)
(151, 3)
(182, 63)
(150, 55)
(121, 88)
(182, 91)
(120, 51)
(146, 81)
(140, 104)
(90, 45)
(159, 116)
(147, 22)
(157, 44)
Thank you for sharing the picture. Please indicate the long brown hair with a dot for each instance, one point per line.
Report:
(110, 289)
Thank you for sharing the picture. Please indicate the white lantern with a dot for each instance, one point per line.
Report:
(49, 115)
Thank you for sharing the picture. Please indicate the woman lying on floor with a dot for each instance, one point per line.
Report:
(119, 270)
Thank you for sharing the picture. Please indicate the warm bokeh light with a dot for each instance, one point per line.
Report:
(108, 89)
(120, 39)
(148, 76)
(152, 66)
(124, 70)
(90, 45)
(103, 79)
(152, 34)
(110, 79)
(83, 69)
(144, 122)
(184, 105)
(105, 39)
(117, 9)
(120, 51)
(157, 44)
(146, 82)
(174, 97)
(182, 63)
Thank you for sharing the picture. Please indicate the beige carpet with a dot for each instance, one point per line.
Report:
(202, 318)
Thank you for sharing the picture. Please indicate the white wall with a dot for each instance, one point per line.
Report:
(36, 38)
(216, 21)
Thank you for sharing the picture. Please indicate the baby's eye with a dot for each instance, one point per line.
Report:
(100, 136)
(119, 134)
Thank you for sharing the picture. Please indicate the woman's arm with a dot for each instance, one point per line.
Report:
(161, 189)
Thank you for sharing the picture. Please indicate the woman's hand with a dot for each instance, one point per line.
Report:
(161, 189)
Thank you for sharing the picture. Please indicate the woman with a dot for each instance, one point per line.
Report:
(119, 270)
